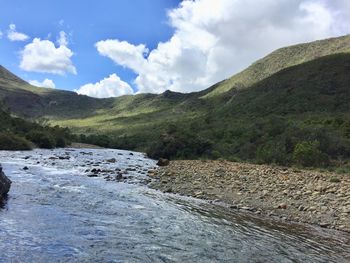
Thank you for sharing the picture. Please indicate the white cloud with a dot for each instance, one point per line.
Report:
(46, 83)
(43, 56)
(214, 39)
(1, 34)
(112, 86)
(62, 40)
(123, 53)
(13, 35)
(341, 13)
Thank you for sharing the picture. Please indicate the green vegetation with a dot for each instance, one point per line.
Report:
(18, 134)
(309, 154)
(177, 143)
(9, 141)
(335, 180)
(290, 108)
(281, 59)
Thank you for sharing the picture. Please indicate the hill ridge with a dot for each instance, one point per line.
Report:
(8, 75)
(275, 61)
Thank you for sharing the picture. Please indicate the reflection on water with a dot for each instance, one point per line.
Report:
(55, 213)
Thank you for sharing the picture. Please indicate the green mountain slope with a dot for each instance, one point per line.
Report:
(280, 59)
(290, 107)
(307, 102)
(115, 116)
(19, 134)
(33, 102)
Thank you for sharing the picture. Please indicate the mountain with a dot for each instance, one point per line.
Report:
(117, 116)
(33, 102)
(284, 108)
(281, 59)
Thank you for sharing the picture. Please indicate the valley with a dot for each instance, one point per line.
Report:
(297, 95)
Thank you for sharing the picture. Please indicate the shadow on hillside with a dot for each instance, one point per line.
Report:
(317, 86)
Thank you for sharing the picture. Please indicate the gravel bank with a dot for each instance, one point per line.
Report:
(285, 193)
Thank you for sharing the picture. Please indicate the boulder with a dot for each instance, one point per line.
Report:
(163, 162)
(113, 160)
(5, 183)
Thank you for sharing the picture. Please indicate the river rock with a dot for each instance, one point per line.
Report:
(163, 162)
(282, 206)
(5, 183)
(297, 195)
(119, 177)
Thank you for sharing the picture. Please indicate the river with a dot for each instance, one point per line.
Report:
(56, 213)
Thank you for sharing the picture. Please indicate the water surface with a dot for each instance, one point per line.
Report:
(55, 213)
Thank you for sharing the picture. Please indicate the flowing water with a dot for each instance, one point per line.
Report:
(55, 213)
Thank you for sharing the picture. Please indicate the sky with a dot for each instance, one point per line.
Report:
(110, 48)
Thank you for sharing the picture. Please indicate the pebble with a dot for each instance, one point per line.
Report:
(306, 196)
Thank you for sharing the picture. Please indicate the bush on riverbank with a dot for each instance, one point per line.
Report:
(275, 140)
(179, 144)
(9, 141)
(41, 139)
(308, 154)
(18, 134)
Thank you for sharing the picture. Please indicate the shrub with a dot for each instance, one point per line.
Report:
(42, 139)
(10, 141)
(334, 180)
(273, 152)
(215, 154)
(61, 142)
(307, 153)
(179, 144)
(247, 151)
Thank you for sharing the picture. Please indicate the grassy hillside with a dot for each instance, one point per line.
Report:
(281, 59)
(300, 115)
(309, 102)
(291, 107)
(18, 134)
(116, 116)
(34, 102)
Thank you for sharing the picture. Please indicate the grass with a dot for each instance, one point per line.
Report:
(281, 59)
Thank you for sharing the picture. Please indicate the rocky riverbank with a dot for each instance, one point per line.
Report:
(5, 183)
(284, 193)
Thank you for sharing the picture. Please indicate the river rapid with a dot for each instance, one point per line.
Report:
(56, 213)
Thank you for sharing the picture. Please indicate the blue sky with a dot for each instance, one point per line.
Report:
(110, 48)
(86, 22)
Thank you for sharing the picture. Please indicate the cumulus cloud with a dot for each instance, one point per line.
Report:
(46, 83)
(43, 56)
(111, 86)
(1, 34)
(123, 53)
(13, 35)
(214, 39)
